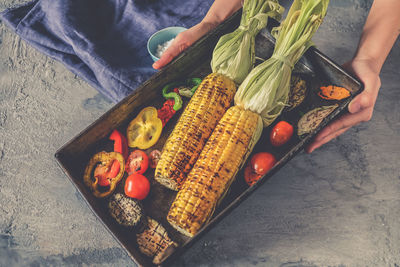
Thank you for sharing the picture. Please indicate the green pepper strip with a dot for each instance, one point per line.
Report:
(178, 100)
(196, 82)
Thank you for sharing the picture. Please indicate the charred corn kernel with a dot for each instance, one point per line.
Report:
(224, 153)
(209, 103)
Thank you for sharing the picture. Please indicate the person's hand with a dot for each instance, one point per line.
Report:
(182, 41)
(360, 108)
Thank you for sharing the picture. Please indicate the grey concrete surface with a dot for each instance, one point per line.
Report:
(339, 206)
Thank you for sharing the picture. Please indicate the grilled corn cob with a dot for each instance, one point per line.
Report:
(227, 149)
(209, 103)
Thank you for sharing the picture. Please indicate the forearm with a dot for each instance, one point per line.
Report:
(220, 10)
(380, 32)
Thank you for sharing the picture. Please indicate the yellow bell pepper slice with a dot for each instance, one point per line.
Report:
(145, 130)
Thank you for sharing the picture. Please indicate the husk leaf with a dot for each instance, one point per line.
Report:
(266, 89)
(234, 54)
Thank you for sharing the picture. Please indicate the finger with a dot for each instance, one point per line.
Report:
(367, 98)
(344, 121)
(355, 104)
(363, 101)
(166, 57)
(174, 50)
(164, 60)
(316, 144)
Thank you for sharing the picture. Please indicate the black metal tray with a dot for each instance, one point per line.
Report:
(194, 62)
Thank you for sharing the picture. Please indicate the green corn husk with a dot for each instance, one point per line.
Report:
(266, 89)
(234, 54)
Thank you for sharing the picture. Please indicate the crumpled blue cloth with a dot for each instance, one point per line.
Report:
(102, 41)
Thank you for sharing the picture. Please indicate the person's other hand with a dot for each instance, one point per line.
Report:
(182, 41)
(360, 108)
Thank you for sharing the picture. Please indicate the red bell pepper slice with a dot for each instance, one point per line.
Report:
(166, 112)
(104, 175)
(120, 143)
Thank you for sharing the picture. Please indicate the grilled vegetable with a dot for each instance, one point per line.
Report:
(259, 165)
(332, 92)
(154, 157)
(206, 107)
(100, 167)
(172, 95)
(137, 186)
(250, 176)
(189, 88)
(313, 118)
(259, 101)
(126, 211)
(262, 162)
(144, 131)
(137, 162)
(225, 151)
(281, 133)
(298, 90)
(106, 173)
(120, 143)
(233, 58)
(166, 112)
(154, 241)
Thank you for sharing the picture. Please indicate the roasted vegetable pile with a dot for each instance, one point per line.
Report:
(233, 58)
(214, 137)
(260, 98)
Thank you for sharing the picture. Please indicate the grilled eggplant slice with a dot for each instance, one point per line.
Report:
(313, 118)
(126, 211)
(155, 242)
(298, 90)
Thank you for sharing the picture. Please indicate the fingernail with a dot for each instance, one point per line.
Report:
(355, 108)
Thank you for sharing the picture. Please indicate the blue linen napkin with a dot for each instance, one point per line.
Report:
(102, 41)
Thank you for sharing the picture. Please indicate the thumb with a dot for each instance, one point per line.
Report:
(172, 51)
(166, 57)
(164, 60)
(362, 101)
(355, 105)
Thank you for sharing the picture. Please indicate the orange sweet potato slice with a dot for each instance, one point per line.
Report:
(332, 92)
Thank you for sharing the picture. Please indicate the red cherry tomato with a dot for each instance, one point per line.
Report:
(137, 162)
(262, 162)
(137, 186)
(154, 157)
(281, 133)
(250, 176)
